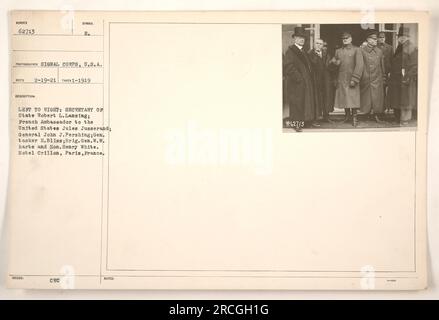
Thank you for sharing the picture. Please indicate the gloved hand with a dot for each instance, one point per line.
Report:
(352, 84)
(335, 61)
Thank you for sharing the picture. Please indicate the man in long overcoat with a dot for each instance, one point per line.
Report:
(300, 84)
(324, 92)
(349, 61)
(372, 80)
(404, 78)
(387, 50)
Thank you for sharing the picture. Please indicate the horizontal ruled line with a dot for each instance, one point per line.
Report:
(258, 270)
(30, 50)
(60, 35)
(188, 22)
(60, 67)
(56, 83)
(212, 276)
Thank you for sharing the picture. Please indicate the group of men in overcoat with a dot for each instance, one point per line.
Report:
(367, 79)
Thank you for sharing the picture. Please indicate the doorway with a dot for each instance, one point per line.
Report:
(331, 33)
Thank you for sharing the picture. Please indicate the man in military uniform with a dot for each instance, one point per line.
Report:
(403, 81)
(372, 80)
(300, 84)
(387, 50)
(349, 61)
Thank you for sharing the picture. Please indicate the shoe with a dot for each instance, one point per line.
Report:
(404, 123)
(328, 120)
(298, 129)
(315, 125)
(346, 119)
(378, 120)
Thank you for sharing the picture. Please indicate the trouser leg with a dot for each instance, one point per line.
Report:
(354, 117)
(377, 116)
(347, 112)
(397, 114)
(326, 117)
(406, 115)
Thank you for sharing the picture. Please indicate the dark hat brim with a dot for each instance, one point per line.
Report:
(298, 35)
(369, 34)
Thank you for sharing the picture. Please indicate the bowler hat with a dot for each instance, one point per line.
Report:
(299, 32)
(403, 31)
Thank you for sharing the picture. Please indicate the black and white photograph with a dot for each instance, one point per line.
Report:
(350, 76)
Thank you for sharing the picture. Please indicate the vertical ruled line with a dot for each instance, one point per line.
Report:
(103, 148)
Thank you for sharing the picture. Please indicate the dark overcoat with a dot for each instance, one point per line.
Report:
(300, 91)
(387, 50)
(403, 82)
(324, 86)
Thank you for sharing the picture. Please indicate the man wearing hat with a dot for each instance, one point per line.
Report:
(300, 84)
(349, 61)
(372, 80)
(387, 50)
(404, 78)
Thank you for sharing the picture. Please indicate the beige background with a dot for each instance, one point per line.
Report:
(330, 201)
(249, 294)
